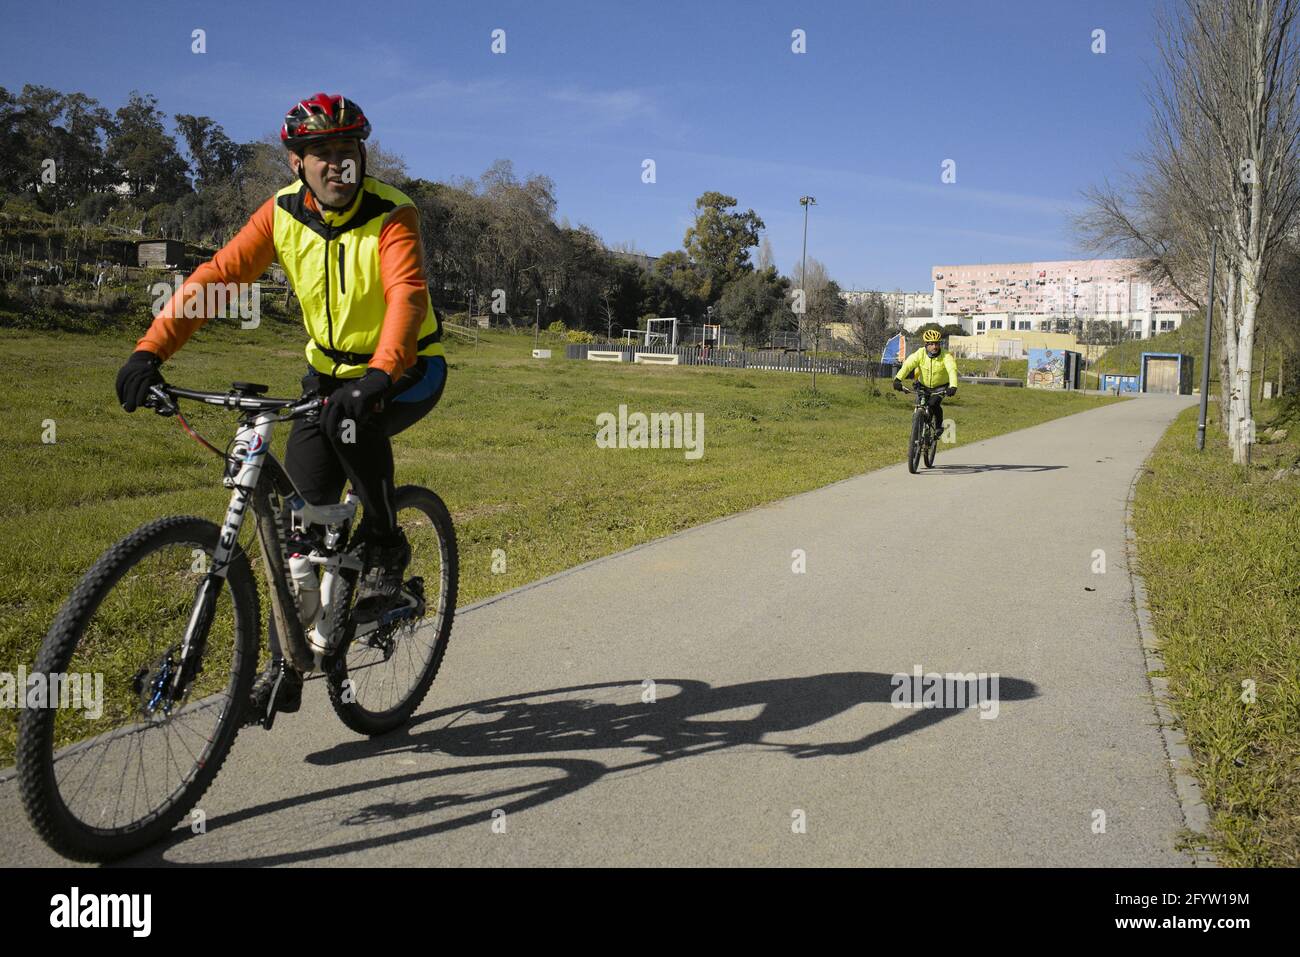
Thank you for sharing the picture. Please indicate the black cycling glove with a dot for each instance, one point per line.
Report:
(354, 400)
(952, 390)
(898, 385)
(136, 377)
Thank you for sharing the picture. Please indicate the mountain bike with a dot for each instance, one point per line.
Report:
(170, 617)
(925, 439)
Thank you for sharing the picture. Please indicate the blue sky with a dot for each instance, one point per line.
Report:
(711, 91)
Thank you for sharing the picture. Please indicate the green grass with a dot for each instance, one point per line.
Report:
(1217, 547)
(510, 448)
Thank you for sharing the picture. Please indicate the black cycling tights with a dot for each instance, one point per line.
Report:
(320, 465)
(935, 402)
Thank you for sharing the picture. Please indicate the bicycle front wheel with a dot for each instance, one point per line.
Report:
(914, 446)
(387, 673)
(107, 765)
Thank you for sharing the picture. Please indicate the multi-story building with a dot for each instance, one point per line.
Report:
(1053, 296)
(900, 304)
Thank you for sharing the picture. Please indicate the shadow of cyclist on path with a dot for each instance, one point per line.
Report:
(522, 737)
(678, 722)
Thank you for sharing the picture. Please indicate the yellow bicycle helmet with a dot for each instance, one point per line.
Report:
(931, 335)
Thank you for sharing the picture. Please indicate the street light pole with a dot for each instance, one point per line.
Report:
(805, 202)
(1205, 357)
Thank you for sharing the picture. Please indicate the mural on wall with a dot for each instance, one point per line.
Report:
(1046, 369)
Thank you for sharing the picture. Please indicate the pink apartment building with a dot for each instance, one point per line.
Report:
(1041, 295)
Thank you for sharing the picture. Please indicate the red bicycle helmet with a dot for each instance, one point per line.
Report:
(323, 117)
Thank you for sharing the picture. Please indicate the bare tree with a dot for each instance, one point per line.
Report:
(1223, 162)
(814, 287)
(869, 329)
(1230, 133)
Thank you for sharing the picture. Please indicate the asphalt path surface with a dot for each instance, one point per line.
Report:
(727, 695)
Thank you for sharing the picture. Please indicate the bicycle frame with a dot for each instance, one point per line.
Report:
(257, 479)
(923, 396)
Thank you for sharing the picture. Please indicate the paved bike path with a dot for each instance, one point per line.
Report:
(770, 737)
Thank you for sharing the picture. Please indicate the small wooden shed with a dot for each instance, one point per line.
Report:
(160, 253)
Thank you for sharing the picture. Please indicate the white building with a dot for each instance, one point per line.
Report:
(900, 304)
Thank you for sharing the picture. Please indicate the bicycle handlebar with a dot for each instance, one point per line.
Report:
(162, 398)
(927, 389)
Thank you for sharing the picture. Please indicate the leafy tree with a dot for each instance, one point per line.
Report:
(720, 240)
(213, 155)
(755, 303)
(145, 155)
(681, 287)
(43, 124)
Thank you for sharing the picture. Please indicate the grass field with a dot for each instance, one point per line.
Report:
(510, 448)
(1217, 547)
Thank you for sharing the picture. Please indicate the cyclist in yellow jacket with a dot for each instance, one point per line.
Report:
(934, 368)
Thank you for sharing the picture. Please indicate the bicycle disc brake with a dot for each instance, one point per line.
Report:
(152, 686)
(384, 637)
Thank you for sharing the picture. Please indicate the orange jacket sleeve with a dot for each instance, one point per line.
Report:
(401, 266)
(242, 259)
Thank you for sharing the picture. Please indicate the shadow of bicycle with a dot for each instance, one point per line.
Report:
(652, 723)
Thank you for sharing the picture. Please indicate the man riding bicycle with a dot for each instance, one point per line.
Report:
(350, 247)
(933, 366)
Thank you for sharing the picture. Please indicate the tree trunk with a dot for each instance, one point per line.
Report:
(1227, 360)
(1245, 360)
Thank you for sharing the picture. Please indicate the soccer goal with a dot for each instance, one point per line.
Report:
(653, 336)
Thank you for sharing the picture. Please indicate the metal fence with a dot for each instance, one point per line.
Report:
(742, 359)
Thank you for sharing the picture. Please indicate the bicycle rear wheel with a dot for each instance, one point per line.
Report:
(386, 674)
(931, 446)
(111, 769)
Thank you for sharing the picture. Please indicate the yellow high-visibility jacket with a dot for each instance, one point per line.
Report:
(334, 269)
(932, 373)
